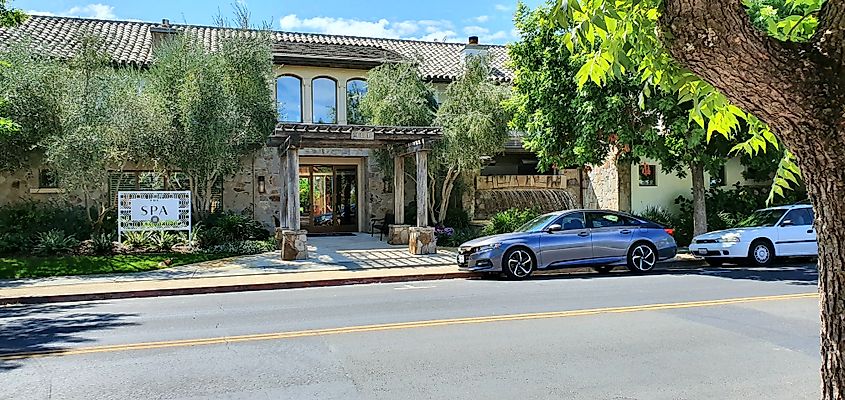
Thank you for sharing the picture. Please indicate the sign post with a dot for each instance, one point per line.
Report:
(153, 211)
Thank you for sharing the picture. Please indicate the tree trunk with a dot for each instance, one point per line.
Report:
(699, 196)
(799, 90)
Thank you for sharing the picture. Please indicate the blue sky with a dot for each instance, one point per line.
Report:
(452, 20)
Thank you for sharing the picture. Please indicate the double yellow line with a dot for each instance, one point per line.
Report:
(397, 326)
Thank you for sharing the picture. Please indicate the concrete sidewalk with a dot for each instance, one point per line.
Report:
(334, 261)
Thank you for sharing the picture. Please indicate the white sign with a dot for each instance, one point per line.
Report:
(363, 136)
(153, 211)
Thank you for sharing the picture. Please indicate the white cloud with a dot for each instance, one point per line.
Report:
(481, 18)
(93, 10)
(476, 30)
(409, 29)
(502, 7)
(441, 36)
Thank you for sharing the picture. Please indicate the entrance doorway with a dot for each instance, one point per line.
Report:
(328, 195)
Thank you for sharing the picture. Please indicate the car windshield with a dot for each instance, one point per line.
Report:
(536, 224)
(767, 217)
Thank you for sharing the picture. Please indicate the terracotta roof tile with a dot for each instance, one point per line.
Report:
(130, 42)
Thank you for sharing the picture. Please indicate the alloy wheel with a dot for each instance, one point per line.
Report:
(520, 264)
(643, 258)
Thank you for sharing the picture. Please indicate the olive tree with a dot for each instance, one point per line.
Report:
(212, 107)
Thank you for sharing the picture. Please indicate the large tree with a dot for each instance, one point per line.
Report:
(475, 127)
(570, 125)
(786, 80)
(9, 17)
(213, 107)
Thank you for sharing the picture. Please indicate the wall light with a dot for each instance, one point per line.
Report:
(262, 188)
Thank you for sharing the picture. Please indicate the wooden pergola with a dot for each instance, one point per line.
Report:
(403, 142)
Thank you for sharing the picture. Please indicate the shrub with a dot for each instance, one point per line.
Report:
(102, 244)
(244, 247)
(459, 236)
(21, 224)
(138, 240)
(509, 220)
(457, 218)
(221, 228)
(55, 241)
(164, 241)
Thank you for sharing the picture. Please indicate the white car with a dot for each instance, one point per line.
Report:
(785, 231)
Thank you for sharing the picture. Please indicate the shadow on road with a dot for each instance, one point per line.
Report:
(793, 273)
(50, 327)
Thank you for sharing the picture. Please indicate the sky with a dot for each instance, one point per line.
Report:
(439, 20)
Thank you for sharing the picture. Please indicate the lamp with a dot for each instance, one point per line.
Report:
(262, 188)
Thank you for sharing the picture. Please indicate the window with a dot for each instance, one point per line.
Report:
(798, 217)
(324, 101)
(717, 178)
(289, 98)
(47, 179)
(355, 91)
(648, 175)
(608, 220)
(572, 221)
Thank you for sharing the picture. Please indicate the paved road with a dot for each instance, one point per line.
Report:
(571, 337)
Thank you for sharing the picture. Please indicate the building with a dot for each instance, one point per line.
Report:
(319, 145)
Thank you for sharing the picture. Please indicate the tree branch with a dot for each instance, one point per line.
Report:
(776, 81)
(830, 34)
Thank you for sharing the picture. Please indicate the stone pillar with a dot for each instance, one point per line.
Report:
(422, 240)
(294, 244)
(422, 188)
(397, 234)
(399, 190)
(293, 188)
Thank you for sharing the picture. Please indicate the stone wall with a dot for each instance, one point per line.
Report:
(22, 184)
(240, 191)
(545, 192)
(608, 185)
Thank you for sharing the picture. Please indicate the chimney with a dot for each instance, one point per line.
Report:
(472, 48)
(161, 32)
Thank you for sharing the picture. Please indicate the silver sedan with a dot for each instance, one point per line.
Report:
(573, 238)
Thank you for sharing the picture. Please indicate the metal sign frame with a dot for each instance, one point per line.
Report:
(125, 223)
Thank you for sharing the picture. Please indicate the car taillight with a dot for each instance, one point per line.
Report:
(669, 231)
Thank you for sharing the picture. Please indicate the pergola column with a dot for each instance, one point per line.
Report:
(422, 239)
(293, 188)
(399, 189)
(422, 188)
(292, 241)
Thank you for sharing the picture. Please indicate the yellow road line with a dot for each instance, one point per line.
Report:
(397, 326)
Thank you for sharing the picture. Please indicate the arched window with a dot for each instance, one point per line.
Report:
(289, 98)
(355, 91)
(324, 100)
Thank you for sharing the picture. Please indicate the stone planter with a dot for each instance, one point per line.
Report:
(294, 244)
(422, 240)
(398, 234)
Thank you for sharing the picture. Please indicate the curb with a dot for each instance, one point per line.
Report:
(61, 298)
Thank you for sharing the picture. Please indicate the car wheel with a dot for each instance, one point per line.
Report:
(518, 263)
(714, 262)
(642, 258)
(603, 269)
(761, 253)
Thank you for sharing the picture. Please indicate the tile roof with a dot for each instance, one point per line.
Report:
(130, 42)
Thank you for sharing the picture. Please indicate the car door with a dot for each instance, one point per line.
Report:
(796, 235)
(611, 234)
(570, 243)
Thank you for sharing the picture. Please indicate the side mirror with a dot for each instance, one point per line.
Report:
(786, 222)
(554, 228)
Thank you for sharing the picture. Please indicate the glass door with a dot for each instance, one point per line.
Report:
(328, 198)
